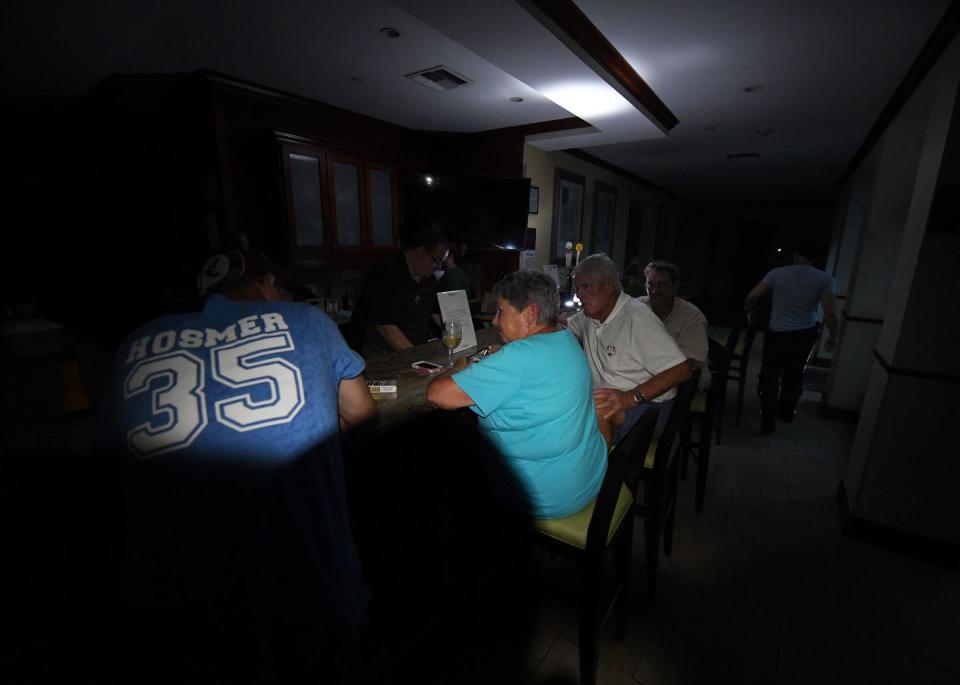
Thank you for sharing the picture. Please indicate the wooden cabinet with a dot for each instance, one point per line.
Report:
(339, 207)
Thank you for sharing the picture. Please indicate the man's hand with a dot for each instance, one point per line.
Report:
(610, 402)
(354, 403)
(758, 291)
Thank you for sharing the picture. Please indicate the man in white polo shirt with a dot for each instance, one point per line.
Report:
(633, 359)
(683, 319)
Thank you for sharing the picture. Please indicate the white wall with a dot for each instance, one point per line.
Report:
(903, 469)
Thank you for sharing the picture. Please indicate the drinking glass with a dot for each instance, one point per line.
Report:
(452, 334)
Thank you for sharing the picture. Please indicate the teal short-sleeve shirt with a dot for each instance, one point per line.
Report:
(535, 403)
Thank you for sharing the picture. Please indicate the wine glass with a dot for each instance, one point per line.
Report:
(452, 334)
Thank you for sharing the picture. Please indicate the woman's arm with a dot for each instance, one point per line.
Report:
(444, 392)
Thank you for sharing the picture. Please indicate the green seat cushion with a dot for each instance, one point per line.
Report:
(698, 405)
(652, 452)
(572, 529)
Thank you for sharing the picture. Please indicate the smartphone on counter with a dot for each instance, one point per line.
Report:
(477, 356)
(427, 367)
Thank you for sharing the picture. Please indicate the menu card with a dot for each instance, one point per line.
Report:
(454, 307)
(526, 260)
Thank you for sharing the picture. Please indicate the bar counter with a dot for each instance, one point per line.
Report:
(411, 399)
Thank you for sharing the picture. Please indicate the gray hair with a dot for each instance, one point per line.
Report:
(665, 267)
(599, 266)
(523, 288)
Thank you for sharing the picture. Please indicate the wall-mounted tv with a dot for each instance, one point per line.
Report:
(489, 211)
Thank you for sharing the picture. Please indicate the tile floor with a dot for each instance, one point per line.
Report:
(763, 588)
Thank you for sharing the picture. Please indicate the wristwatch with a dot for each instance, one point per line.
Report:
(638, 397)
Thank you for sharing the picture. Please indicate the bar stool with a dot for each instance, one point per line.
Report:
(703, 410)
(658, 480)
(588, 536)
(739, 351)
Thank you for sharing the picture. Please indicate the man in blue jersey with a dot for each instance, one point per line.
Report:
(798, 290)
(239, 563)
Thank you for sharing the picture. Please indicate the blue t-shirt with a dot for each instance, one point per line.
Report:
(225, 426)
(535, 402)
(796, 295)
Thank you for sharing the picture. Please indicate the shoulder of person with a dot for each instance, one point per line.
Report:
(577, 320)
(778, 271)
(635, 308)
(689, 307)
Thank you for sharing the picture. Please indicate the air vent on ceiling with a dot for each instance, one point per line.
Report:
(438, 78)
(744, 155)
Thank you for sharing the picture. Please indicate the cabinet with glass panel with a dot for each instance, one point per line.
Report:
(337, 205)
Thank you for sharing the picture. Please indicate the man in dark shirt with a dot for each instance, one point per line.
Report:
(399, 296)
(455, 278)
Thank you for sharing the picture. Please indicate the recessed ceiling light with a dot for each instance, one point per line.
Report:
(753, 89)
(516, 98)
(388, 32)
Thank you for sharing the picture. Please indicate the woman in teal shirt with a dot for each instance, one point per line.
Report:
(534, 399)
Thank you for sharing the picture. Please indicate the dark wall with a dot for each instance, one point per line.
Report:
(724, 253)
(247, 119)
(105, 212)
(118, 196)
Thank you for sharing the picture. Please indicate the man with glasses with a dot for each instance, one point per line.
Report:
(399, 297)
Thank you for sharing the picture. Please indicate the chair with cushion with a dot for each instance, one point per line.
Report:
(739, 351)
(657, 480)
(588, 536)
(703, 411)
(738, 367)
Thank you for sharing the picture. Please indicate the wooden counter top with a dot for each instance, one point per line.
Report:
(411, 398)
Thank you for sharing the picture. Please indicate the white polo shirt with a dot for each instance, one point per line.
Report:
(688, 326)
(629, 348)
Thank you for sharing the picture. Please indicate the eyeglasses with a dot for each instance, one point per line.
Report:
(437, 261)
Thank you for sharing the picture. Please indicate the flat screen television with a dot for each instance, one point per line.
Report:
(489, 211)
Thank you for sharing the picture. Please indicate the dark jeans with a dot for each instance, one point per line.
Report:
(784, 354)
(633, 415)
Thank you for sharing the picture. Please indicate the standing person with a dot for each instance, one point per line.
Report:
(239, 564)
(797, 290)
(683, 319)
(455, 278)
(399, 298)
(632, 358)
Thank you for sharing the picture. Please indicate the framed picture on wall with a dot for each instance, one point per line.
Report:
(534, 200)
(568, 201)
(604, 217)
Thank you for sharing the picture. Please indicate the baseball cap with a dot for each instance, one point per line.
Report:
(225, 269)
